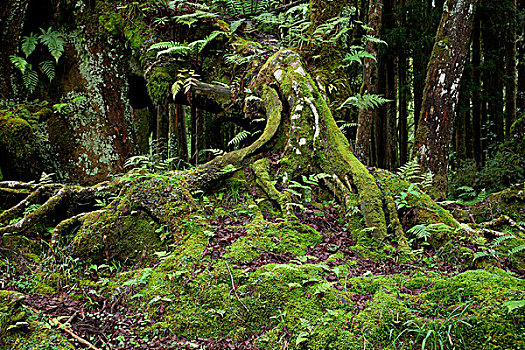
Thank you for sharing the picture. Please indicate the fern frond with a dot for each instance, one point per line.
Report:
(162, 45)
(170, 47)
(501, 239)
(365, 101)
(20, 63)
(517, 249)
(29, 44)
(54, 41)
(30, 78)
(191, 18)
(409, 171)
(176, 87)
(239, 138)
(348, 125)
(48, 67)
(373, 39)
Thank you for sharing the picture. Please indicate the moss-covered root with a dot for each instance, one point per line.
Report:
(10, 311)
(65, 226)
(18, 210)
(209, 173)
(43, 212)
(260, 169)
(62, 200)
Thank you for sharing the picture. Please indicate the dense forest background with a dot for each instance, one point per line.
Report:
(262, 174)
(484, 146)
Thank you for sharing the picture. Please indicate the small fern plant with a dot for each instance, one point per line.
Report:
(364, 101)
(53, 41)
(411, 172)
(245, 7)
(491, 250)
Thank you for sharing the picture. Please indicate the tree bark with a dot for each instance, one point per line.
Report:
(12, 15)
(510, 70)
(441, 90)
(365, 118)
(476, 94)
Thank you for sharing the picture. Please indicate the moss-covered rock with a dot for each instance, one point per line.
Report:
(509, 202)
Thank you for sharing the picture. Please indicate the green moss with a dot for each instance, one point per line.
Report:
(18, 144)
(106, 234)
(263, 236)
(509, 202)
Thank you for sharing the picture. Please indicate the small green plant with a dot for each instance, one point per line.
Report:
(53, 41)
(447, 333)
(491, 251)
(424, 232)
(411, 172)
(401, 200)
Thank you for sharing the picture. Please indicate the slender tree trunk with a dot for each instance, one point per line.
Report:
(403, 110)
(462, 121)
(476, 94)
(441, 90)
(365, 119)
(510, 71)
(193, 139)
(521, 64)
(402, 88)
(162, 128)
(182, 139)
(202, 137)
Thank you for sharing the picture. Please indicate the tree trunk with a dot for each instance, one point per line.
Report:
(307, 137)
(12, 15)
(510, 70)
(403, 108)
(476, 94)
(162, 131)
(441, 90)
(365, 118)
(182, 139)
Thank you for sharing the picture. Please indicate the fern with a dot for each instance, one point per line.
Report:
(357, 54)
(48, 67)
(30, 78)
(54, 42)
(191, 18)
(246, 7)
(199, 45)
(500, 240)
(344, 126)
(239, 138)
(29, 44)
(20, 63)
(365, 101)
(170, 47)
(411, 172)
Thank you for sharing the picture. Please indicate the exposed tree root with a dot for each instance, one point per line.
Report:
(18, 210)
(503, 220)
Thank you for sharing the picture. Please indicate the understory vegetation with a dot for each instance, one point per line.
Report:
(186, 175)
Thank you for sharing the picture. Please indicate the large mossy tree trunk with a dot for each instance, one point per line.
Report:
(301, 130)
(440, 95)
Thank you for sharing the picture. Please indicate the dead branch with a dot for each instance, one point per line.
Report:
(56, 323)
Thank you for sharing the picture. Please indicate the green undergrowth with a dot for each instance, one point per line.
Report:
(161, 251)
